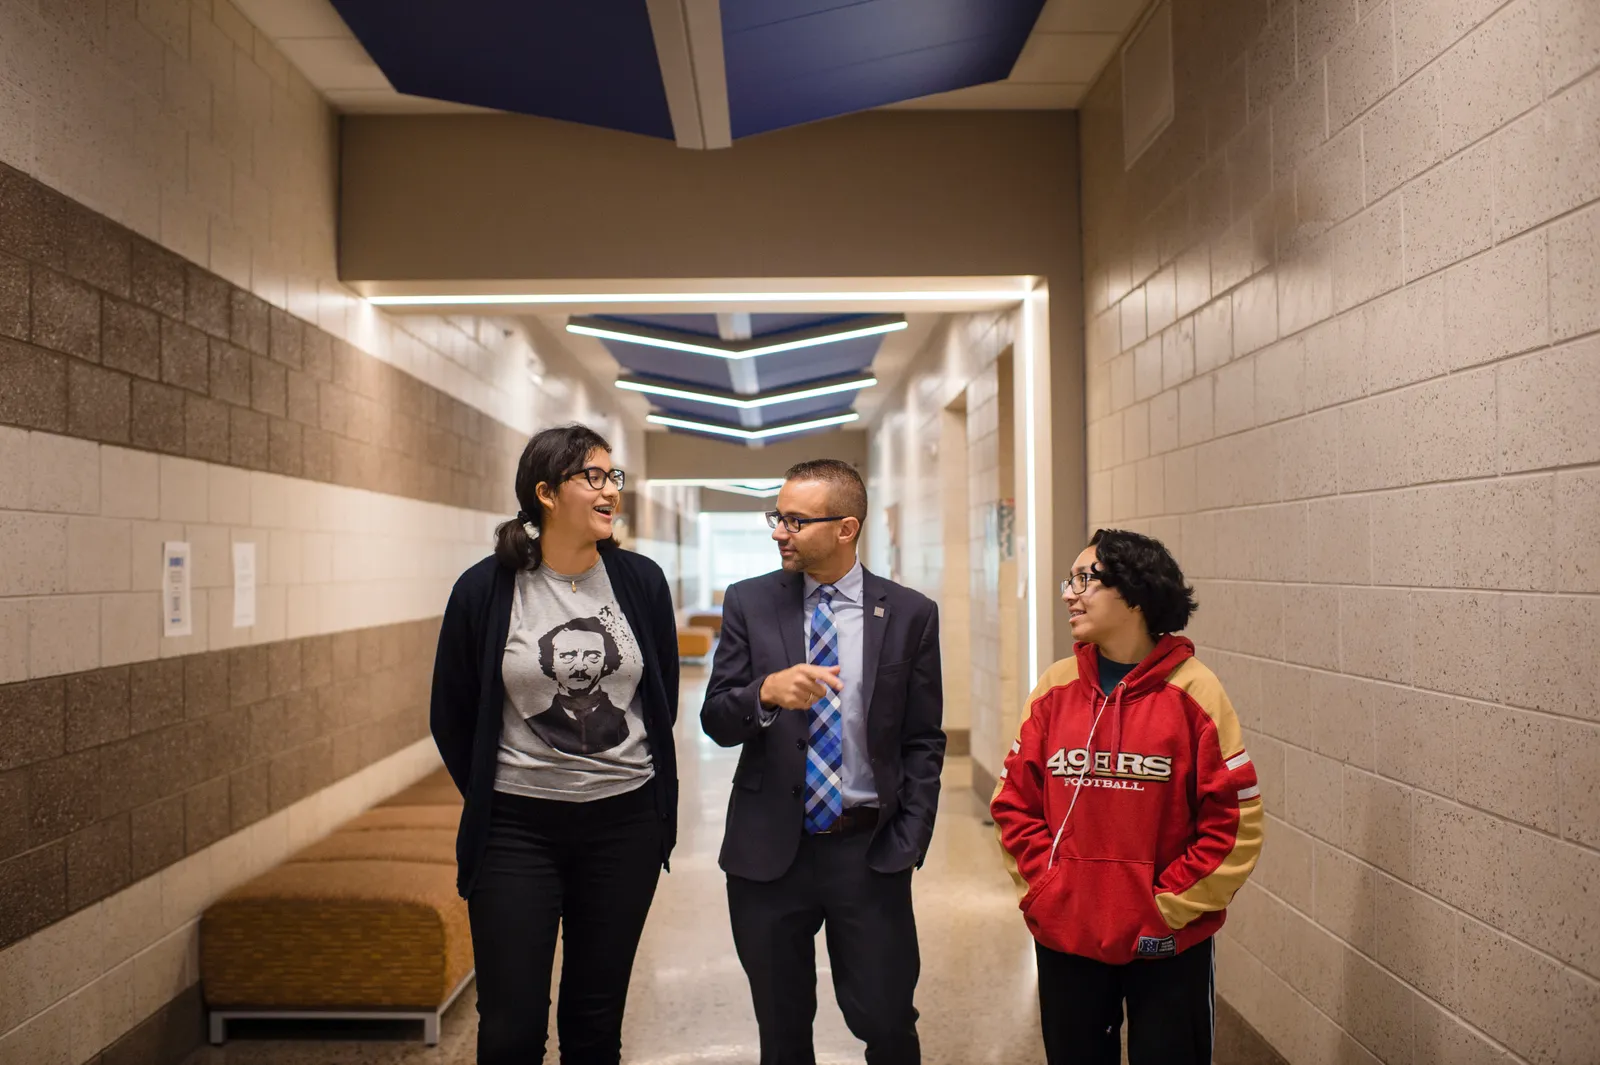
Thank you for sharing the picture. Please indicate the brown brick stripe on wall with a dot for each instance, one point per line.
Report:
(110, 775)
(108, 337)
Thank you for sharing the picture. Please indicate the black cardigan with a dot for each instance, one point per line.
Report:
(469, 691)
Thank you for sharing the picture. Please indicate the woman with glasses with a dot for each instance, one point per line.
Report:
(1130, 815)
(554, 695)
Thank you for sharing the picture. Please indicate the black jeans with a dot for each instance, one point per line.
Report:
(1170, 1008)
(872, 945)
(589, 867)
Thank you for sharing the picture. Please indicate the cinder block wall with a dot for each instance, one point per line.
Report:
(1343, 358)
(179, 361)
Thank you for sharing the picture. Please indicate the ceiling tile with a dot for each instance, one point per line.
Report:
(593, 63)
(1071, 42)
(1088, 16)
(281, 19)
(332, 63)
(1058, 57)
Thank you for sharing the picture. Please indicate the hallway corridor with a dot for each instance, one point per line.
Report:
(689, 1003)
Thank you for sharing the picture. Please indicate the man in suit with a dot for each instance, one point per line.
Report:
(828, 676)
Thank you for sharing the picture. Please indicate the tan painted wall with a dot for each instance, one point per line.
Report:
(880, 194)
(1343, 359)
(681, 455)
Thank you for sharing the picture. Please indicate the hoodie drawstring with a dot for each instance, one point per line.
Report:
(1088, 760)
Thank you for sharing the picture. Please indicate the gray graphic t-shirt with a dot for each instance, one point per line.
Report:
(573, 726)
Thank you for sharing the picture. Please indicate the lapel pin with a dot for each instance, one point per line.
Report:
(877, 611)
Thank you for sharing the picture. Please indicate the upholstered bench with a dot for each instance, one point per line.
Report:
(381, 818)
(435, 790)
(707, 619)
(695, 642)
(365, 923)
(434, 846)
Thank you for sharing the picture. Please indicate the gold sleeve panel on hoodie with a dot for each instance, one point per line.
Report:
(1058, 675)
(1215, 890)
(1204, 688)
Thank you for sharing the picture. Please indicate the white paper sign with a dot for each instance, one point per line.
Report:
(177, 616)
(244, 585)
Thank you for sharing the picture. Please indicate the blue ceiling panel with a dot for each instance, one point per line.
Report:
(760, 324)
(700, 412)
(680, 366)
(776, 414)
(592, 62)
(699, 324)
(763, 324)
(806, 409)
(785, 436)
(789, 368)
(794, 61)
(754, 375)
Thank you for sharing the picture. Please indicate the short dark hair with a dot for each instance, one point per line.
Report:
(547, 645)
(847, 491)
(552, 456)
(1147, 576)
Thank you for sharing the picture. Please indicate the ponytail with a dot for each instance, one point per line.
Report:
(513, 545)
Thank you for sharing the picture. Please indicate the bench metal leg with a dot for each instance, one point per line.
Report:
(431, 1019)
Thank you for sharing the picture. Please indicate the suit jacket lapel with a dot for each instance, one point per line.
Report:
(791, 617)
(874, 622)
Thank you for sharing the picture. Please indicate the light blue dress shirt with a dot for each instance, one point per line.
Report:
(849, 611)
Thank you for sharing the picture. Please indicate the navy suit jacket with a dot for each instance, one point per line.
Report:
(763, 632)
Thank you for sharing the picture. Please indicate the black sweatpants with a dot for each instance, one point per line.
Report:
(872, 945)
(589, 867)
(1170, 1008)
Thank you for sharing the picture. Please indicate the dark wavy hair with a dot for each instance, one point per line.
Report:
(547, 645)
(551, 457)
(1144, 572)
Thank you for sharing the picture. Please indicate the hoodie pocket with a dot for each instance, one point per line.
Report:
(1099, 908)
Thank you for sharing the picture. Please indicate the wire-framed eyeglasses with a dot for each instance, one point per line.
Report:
(1079, 582)
(793, 524)
(597, 477)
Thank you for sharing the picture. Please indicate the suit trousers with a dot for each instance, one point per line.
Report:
(589, 868)
(1171, 1015)
(872, 946)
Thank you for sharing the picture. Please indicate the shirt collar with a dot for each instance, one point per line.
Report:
(847, 587)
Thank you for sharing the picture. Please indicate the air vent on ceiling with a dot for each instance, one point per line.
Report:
(1147, 82)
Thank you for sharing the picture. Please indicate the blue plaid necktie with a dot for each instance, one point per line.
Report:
(825, 751)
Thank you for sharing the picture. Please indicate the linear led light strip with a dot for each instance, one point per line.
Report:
(757, 487)
(725, 353)
(755, 484)
(724, 400)
(750, 434)
(542, 298)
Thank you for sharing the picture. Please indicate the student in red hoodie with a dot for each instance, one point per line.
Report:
(1129, 813)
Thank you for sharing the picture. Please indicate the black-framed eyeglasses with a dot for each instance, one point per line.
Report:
(1079, 582)
(598, 477)
(794, 524)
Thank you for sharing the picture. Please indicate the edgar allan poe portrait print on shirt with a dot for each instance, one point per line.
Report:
(577, 657)
(573, 725)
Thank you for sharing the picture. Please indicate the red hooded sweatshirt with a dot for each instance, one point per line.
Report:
(1129, 844)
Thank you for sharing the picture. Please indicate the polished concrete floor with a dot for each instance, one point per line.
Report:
(689, 1003)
